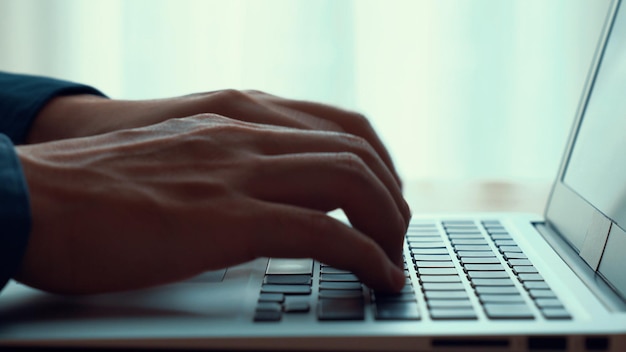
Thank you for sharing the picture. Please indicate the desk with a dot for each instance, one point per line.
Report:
(432, 196)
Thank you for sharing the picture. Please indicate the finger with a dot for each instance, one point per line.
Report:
(292, 232)
(328, 181)
(295, 141)
(350, 122)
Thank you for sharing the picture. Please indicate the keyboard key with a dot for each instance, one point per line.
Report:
(452, 313)
(463, 230)
(488, 223)
(269, 306)
(443, 286)
(519, 262)
(514, 255)
(418, 228)
(343, 294)
(484, 267)
(473, 248)
(338, 277)
(287, 289)
(422, 264)
(460, 226)
(510, 249)
(271, 297)
(332, 270)
(457, 222)
(426, 233)
(491, 229)
(408, 288)
(396, 311)
(492, 282)
(394, 297)
(480, 260)
(501, 236)
(449, 303)
(340, 285)
(530, 277)
(487, 274)
(340, 309)
(420, 237)
(507, 242)
(466, 236)
(548, 303)
(268, 311)
(280, 266)
(526, 269)
(555, 313)
(267, 316)
(456, 242)
(440, 278)
(497, 290)
(429, 251)
(297, 307)
(513, 298)
(425, 245)
(437, 271)
(508, 311)
(445, 295)
(432, 258)
(537, 293)
(288, 279)
(482, 254)
(542, 285)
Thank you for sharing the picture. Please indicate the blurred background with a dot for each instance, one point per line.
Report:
(469, 90)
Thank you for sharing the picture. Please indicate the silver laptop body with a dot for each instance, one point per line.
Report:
(496, 282)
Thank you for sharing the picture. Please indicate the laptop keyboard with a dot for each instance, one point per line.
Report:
(462, 270)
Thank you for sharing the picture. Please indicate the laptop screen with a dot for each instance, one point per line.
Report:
(597, 166)
(588, 205)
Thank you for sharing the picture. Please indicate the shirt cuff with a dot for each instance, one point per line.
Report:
(15, 217)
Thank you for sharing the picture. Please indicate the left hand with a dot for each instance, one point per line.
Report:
(86, 115)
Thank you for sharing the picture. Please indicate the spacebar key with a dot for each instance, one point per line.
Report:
(280, 266)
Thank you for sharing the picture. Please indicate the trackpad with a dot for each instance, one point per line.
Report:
(209, 276)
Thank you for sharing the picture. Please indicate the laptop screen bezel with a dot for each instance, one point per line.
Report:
(567, 212)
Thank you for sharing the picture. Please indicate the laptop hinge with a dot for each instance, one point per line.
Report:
(600, 288)
(595, 239)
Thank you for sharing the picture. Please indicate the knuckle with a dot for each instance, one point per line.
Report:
(233, 96)
(358, 145)
(352, 172)
(254, 92)
(360, 120)
(350, 163)
(231, 102)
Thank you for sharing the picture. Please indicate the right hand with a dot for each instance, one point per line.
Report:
(152, 205)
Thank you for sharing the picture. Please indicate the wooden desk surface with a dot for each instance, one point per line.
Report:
(431, 196)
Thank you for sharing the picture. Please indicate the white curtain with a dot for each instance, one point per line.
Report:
(458, 89)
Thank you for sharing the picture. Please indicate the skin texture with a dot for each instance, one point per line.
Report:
(126, 195)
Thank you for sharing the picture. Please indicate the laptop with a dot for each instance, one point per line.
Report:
(496, 282)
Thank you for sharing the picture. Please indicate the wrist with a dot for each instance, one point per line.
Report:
(66, 117)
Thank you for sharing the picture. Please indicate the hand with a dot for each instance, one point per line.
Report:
(86, 115)
(147, 206)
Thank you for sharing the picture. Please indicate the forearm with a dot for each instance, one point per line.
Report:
(89, 115)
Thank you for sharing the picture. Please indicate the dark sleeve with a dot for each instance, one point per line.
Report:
(21, 98)
(14, 211)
